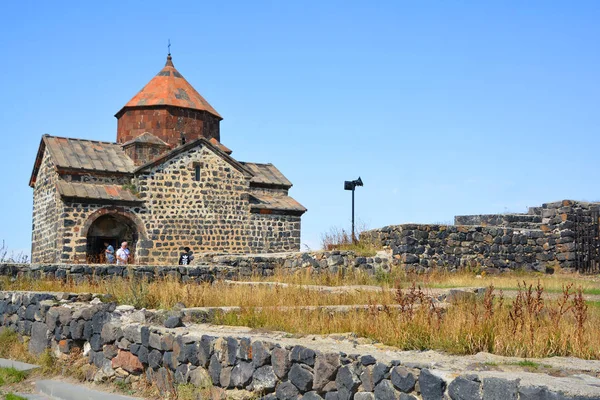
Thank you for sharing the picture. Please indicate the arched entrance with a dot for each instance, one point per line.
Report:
(113, 229)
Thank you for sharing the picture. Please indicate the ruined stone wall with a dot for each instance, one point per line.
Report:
(125, 344)
(420, 247)
(46, 231)
(274, 232)
(167, 123)
(207, 215)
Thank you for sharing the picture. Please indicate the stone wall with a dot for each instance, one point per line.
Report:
(128, 345)
(274, 232)
(207, 268)
(167, 123)
(45, 238)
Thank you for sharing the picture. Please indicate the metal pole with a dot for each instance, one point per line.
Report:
(353, 235)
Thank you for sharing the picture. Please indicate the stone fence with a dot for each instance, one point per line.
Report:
(123, 344)
(207, 268)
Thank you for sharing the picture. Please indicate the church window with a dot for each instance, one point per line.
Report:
(197, 172)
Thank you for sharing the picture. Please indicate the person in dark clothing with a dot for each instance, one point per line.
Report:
(186, 257)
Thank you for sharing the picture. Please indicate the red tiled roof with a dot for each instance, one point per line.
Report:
(170, 88)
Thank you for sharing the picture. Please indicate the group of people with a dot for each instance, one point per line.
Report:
(123, 255)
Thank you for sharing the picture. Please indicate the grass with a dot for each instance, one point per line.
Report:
(11, 375)
(12, 396)
(340, 239)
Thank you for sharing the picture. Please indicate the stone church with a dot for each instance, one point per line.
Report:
(166, 183)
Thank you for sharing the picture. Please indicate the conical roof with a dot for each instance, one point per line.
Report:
(170, 88)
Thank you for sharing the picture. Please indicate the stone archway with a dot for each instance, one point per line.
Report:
(113, 229)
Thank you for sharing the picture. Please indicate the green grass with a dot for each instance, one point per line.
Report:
(528, 364)
(11, 396)
(11, 375)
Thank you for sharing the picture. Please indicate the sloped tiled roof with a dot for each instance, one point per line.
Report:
(266, 174)
(170, 88)
(147, 137)
(88, 155)
(95, 192)
(259, 201)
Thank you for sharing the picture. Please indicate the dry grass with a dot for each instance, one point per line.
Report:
(530, 326)
(340, 239)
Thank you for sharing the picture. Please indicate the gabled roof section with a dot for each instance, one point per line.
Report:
(147, 138)
(169, 88)
(83, 155)
(266, 174)
(260, 202)
(190, 145)
(90, 191)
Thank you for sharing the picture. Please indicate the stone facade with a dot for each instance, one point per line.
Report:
(122, 344)
(167, 123)
(167, 183)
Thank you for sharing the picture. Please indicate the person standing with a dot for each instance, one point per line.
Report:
(186, 257)
(123, 254)
(109, 253)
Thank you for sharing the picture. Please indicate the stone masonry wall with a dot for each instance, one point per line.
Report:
(45, 238)
(207, 215)
(274, 232)
(128, 345)
(167, 123)
(420, 247)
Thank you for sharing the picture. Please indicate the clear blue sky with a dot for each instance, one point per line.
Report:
(443, 108)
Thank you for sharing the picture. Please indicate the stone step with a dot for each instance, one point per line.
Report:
(18, 365)
(57, 390)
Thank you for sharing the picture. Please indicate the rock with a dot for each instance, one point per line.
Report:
(264, 379)
(173, 321)
(331, 396)
(225, 378)
(303, 355)
(367, 360)
(64, 346)
(166, 342)
(163, 378)
(128, 362)
(403, 379)
(326, 366)
(190, 353)
(280, 362)
(301, 377)
(500, 389)
(168, 361)
(533, 393)
(311, 396)
(346, 379)
(155, 359)
(200, 378)
(205, 350)
(98, 320)
(214, 369)
(110, 351)
(241, 375)
(364, 396)
(245, 349)
(385, 391)
(260, 354)
(110, 332)
(154, 341)
(133, 333)
(372, 375)
(287, 391)
(76, 329)
(104, 373)
(462, 388)
(404, 396)
(143, 354)
(432, 386)
(96, 342)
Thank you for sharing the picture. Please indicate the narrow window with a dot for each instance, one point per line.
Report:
(197, 172)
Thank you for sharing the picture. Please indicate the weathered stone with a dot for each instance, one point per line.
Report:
(110, 351)
(64, 346)
(204, 351)
(347, 379)
(96, 342)
(303, 355)
(133, 333)
(163, 378)
(367, 360)
(372, 375)
(432, 386)
(200, 378)
(225, 378)
(241, 375)
(154, 341)
(260, 354)
(144, 336)
(533, 393)
(155, 359)
(40, 338)
(403, 379)
(168, 361)
(264, 379)
(214, 369)
(128, 362)
(385, 391)
(166, 342)
(280, 362)
(287, 391)
(173, 321)
(143, 354)
(301, 377)
(462, 388)
(500, 389)
(311, 396)
(326, 366)
(110, 332)
(364, 396)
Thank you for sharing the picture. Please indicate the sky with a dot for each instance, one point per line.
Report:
(443, 108)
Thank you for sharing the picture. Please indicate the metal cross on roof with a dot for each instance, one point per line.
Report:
(169, 46)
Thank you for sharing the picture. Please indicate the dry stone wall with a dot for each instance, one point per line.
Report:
(127, 345)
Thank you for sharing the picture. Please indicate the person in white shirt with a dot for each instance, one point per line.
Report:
(123, 254)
